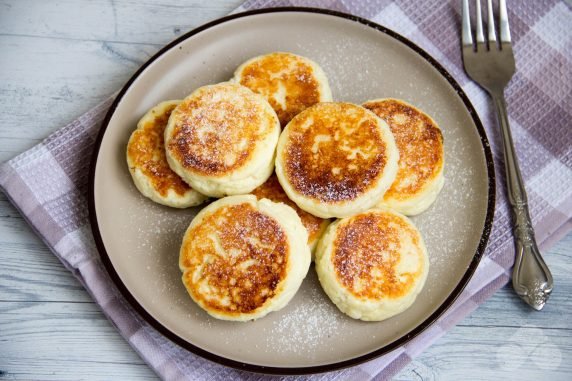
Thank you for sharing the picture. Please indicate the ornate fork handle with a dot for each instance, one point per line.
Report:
(531, 278)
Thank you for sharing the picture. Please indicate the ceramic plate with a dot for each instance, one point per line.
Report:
(139, 240)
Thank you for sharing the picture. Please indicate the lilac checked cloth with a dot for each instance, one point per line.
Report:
(48, 184)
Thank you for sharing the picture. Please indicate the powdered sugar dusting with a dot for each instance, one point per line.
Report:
(453, 224)
(156, 242)
(309, 324)
(310, 330)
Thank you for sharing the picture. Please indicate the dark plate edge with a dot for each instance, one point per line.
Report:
(319, 368)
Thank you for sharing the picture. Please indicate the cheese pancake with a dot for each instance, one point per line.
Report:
(148, 165)
(289, 82)
(242, 258)
(221, 139)
(336, 159)
(273, 191)
(372, 265)
(421, 158)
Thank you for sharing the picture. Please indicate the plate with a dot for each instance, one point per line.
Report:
(139, 240)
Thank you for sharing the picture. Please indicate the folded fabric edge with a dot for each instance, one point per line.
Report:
(17, 192)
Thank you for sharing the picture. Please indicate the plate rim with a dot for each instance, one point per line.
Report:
(429, 321)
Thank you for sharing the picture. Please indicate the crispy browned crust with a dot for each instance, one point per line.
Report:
(420, 144)
(244, 234)
(264, 76)
(146, 151)
(366, 252)
(344, 162)
(214, 136)
(273, 191)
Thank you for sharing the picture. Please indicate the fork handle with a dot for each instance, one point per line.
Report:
(531, 278)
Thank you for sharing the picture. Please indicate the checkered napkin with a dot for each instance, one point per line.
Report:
(48, 183)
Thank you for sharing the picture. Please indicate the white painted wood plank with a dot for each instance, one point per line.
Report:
(495, 353)
(506, 309)
(123, 21)
(31, 273)
(60, 58)
(28, 270)
(10, 146)
(48, 82)
(64, 341)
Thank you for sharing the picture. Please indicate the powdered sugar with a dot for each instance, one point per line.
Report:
(311, 327)
(309, 324)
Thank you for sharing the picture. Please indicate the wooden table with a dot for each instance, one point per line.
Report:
(60, 58)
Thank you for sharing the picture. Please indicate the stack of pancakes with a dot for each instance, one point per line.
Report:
(284, 159)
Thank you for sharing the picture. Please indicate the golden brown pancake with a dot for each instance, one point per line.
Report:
(148, 165)
(273, 191)
(242, 258)
(372, 265)
(289, 82)
(336, 159)
(221, 139)
(420, 143)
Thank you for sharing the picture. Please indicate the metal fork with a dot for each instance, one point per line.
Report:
(491, 65)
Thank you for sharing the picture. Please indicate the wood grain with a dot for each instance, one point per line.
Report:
(126, 21)
(61, 58)
(40, 103)
(64, 341)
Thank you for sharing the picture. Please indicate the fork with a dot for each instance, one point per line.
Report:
(491, 65)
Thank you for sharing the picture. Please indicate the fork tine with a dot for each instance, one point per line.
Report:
(504, 29)
(480, 36)
(491, 23)
(467, 38)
